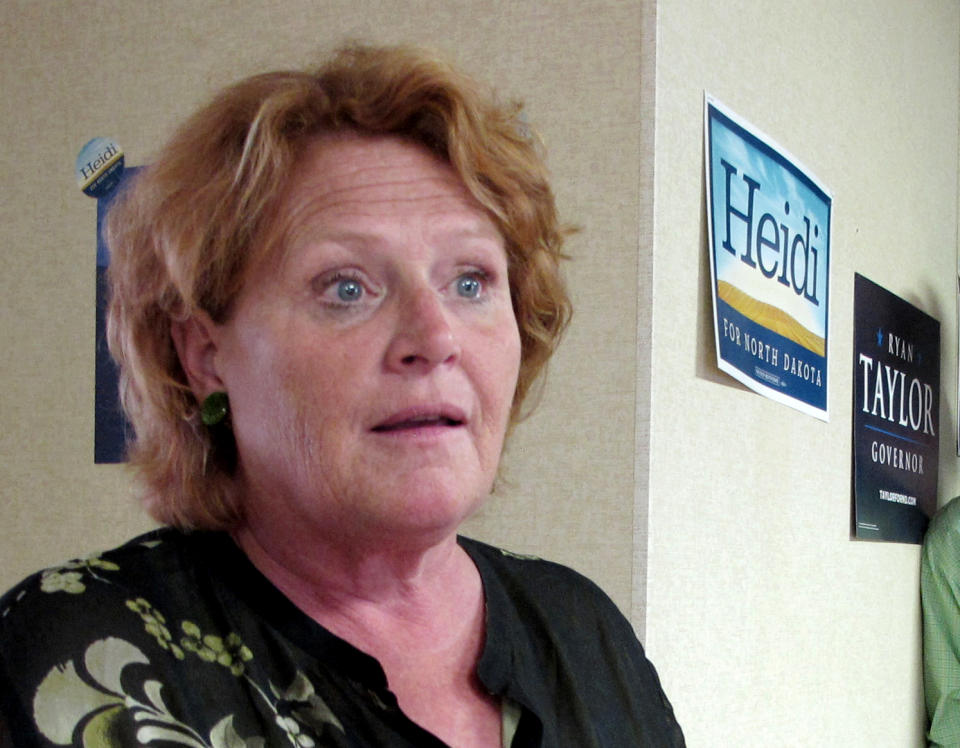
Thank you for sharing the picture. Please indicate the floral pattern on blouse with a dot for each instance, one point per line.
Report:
(175, 640)
(110, 693)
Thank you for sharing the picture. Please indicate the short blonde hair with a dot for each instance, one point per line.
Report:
(183, 234)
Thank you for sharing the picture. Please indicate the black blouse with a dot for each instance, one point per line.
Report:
(176, 639)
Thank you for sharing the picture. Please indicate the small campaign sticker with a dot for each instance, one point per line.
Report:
(99, 167)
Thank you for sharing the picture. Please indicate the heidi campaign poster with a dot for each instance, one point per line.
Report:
(101, 172)
(768, 223)
(896, 406)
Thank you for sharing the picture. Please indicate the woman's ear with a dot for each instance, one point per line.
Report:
(195, 339)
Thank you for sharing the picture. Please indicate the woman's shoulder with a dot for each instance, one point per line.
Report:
(523, 564)
(545, 584)
(127, 640)
(122, 572)
(546, 618)
(66, 613)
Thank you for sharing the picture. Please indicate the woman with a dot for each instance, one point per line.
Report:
(331, 293)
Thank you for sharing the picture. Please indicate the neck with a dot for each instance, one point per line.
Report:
(419, 611)
(350, 579)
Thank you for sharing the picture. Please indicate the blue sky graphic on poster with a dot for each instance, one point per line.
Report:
(769, 231)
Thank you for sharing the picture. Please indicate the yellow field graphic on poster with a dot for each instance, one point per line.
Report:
(771, 317)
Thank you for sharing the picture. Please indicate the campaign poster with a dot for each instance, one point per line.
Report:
(101, 173)
(109, 424)
(896, 411)
(768, 223)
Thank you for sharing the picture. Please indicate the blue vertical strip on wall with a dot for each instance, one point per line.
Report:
(110, 426)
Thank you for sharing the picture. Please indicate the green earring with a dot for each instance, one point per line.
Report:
(215, 408)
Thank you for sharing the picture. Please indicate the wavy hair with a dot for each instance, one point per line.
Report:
(184, 233)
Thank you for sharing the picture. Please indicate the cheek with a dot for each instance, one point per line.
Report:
(286, 417)
(503, 368)
(513, 365)
(512, 346)
(306, 390)
(323, 389)
(275, 387)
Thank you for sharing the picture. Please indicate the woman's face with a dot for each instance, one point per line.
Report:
(371, 369)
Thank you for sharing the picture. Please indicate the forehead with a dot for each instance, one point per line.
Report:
(351, 177)
(361, 189)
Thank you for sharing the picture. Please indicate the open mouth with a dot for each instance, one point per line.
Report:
(404, 422)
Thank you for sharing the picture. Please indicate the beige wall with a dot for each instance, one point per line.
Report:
(769, 625)
(74, 70)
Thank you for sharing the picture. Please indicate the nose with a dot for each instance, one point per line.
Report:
(424, 337)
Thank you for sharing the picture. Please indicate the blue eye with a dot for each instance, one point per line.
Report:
(468, 286)
(349, 290)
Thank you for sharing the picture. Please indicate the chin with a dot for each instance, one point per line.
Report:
(434, 506)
